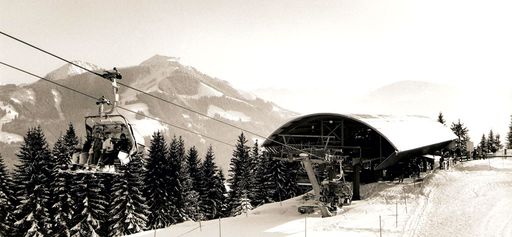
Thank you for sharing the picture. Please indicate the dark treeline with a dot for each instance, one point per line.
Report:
(169, 185)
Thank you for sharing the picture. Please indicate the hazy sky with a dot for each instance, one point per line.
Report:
(310, 48)
(276, 44)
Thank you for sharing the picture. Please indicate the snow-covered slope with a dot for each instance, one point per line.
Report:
(68, 70)
(471, 200)
(10, 114)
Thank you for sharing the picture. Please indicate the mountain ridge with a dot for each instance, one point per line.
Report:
(50, 106)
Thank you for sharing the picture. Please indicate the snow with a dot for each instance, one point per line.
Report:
(58, 99)
(150, 82)
(472, 199)
(23, 95)
(6, 137)
(239, 100)
(227, 114)
(407, 132)
(247, 95)
(204, 91)
(144, 127)
(16, 100)
(160, 60)
(71, 70)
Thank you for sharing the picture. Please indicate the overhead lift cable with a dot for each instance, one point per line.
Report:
(159, 98)
(123, 108)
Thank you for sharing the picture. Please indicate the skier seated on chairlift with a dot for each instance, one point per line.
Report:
(108, 151)
(96, 150)
(122, 145)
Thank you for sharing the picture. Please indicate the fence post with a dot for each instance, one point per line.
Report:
(305, 226)
(200, 227)
(396, 211)
(380, 226)
(406, 204)
(220, 229)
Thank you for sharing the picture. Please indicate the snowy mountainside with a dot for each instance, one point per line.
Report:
(161, 76)
(71, 70)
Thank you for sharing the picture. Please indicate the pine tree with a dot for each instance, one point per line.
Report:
(509, 135)
(70, 142)
(33, 186)
(107, 182)
(245, 205)
(220, 185)
(258, 192)
(440, 119)
(190, 196)
(156, 183)
(462, 137)
(491, 145)
(239, 175)
(89, 205)
(483, 144)
(196, 175)
(194, 170)
(129, 211)
(178, 182)
(281, 181)
(497, 141)
(290, 180)
(212, 188)
(6, 200)
(62, 186)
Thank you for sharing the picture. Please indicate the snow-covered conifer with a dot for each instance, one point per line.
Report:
(6, 200)
(129, 210)
(89, 205)
(222, 195)
(281, 180)
(156, 183)
(196, 175)
(177, 187)
(212, 187)
(33, 183)
(244, 205)
(62, 186)
(239, 175)
(70, 143)
(258, 191)
(194, 169)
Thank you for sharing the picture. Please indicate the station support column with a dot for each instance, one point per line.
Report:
(357, 179)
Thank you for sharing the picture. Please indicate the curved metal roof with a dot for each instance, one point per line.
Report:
(404, 133)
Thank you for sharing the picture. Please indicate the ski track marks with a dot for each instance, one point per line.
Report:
(474, 199)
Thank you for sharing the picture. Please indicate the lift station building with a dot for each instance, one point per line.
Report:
(369, 144)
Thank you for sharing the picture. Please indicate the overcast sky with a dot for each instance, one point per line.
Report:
(276, 44)
(308, 48)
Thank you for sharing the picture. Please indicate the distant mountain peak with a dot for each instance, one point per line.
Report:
(68, 70)
(158, 60)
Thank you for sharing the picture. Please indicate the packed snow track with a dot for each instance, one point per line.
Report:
(474, 199)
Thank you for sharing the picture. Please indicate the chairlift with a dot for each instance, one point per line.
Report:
(110, 140)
